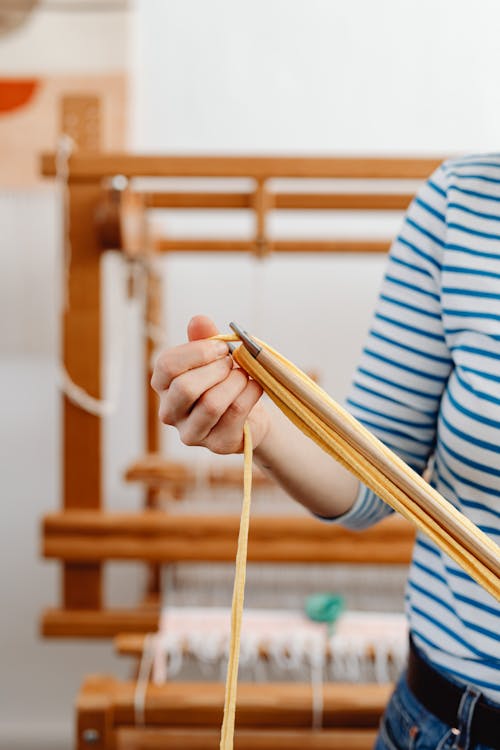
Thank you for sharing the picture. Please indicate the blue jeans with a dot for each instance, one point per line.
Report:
(407, 725)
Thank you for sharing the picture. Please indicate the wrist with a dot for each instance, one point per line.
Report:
(267, 446)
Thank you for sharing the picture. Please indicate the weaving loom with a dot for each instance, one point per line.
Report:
(180, 528)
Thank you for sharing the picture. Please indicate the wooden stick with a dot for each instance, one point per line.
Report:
(337, 432)
(92, 167)
(281, 201)
(224, 245)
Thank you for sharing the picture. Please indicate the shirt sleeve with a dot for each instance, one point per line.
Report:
(405, 364)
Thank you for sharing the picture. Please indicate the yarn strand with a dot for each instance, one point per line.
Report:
(382, 471)
(227, 731)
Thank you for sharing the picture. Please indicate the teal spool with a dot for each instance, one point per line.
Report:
(324, 607)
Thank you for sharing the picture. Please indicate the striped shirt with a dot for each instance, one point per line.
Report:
(428, 384)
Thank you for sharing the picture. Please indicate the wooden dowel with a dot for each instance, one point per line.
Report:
(188, 200)
(282, 201)
(167, 244)
(343, 201)
(154, 535)
(98, 623)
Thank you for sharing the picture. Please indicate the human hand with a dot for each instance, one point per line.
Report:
(205, 395)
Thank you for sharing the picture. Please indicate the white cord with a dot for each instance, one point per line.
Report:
(114, 365)
(98, 407)
(317, 672)
(65, 147)
(141, 685)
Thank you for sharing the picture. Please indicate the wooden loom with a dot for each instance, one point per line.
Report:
(83, 536)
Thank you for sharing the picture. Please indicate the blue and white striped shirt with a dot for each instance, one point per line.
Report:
(429, 383)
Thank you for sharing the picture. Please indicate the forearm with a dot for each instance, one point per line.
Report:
(305, 471)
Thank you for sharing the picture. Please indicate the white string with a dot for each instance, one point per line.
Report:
(113, 366)
(141, 685)
(317, 673)
(65, 147)
(99, 407)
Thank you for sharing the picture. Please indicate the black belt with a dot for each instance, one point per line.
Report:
(442, 698)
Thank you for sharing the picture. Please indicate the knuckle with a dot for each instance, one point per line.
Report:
(236, 410)
(187, 437)
(183, 390)
(210, 405)
(220, 446)
(165, 415)
(164, 364)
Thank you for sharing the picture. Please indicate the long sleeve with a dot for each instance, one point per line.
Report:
(398, 385)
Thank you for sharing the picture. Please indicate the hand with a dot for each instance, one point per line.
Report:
(205, 395)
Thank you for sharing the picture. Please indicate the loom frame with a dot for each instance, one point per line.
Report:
(83, 535)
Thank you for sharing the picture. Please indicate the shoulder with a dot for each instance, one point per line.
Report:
(469, 179)
(475, 166)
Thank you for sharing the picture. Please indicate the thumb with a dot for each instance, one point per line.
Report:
(201, 327)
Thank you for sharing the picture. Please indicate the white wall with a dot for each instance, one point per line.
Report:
(317, 75)
(295, 76)
(308, 76)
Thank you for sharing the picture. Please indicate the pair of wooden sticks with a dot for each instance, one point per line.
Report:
(343, 437)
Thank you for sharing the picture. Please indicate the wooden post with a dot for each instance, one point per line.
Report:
(262, 203)
(94, 714)
(152, 315)
(82, 583)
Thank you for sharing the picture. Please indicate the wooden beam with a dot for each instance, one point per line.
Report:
(94, 717)
(157, 536)
(224, 245)
(181, 199)
(106, 623)
(245, 739)
(82, 583)
(282, 201)
(260, 705)
(94, 167)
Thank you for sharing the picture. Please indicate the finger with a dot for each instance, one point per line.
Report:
(211, 406)
(201, 327)
(227, 435)
(173, 362)
(177, 401)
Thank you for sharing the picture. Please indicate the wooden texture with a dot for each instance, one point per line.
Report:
(92, 167)
(82, 584)
(282, 201)
(94, 721)
(224, 245)
(152, 319)
(104, 623)
(85, 537)
(246, 739)
(282, 705)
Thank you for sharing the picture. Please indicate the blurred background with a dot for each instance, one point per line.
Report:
(295, 77)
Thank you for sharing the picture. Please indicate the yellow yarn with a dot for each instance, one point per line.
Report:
(473, 550)
(227, 731)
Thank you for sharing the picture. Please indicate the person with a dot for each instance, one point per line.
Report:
(428, 386)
